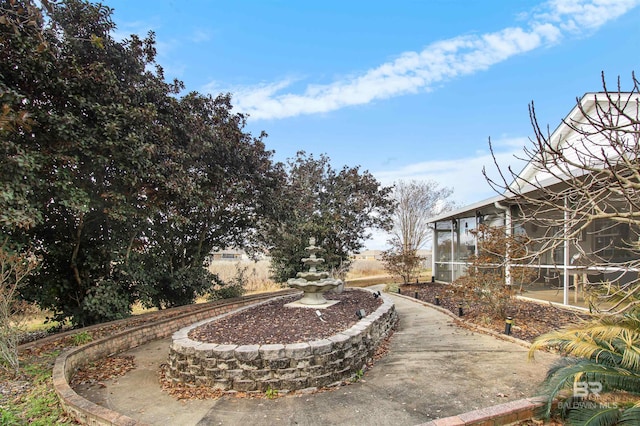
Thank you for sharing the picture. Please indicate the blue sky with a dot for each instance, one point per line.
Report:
(407, 89)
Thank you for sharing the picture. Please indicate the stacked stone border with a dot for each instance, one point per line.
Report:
(71, 360)
(283, 367)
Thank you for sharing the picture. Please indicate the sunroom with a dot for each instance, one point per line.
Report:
(574, 206)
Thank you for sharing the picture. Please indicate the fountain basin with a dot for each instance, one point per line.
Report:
(257, 368)
(313, 291)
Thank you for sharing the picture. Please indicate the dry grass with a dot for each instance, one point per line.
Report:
(36, 320)
(256, 274)
(362, 273)
(369, 281)
(365, 268)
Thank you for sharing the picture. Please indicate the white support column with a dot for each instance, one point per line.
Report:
(508, 223)
(508, 226)
(566, 260)
(453, 237)
(434, 249)
(475, 239)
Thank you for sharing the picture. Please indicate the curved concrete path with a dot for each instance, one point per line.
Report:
(434, 369)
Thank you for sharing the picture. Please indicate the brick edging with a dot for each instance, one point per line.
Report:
(501, 414)
(67, 363)
(182, 310)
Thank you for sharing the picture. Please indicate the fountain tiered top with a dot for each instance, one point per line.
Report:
(313, 283)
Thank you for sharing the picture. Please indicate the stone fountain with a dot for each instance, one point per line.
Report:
(259, 367)
(313, 283)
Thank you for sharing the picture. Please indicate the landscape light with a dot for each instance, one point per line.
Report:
(361, 313)
(507, 326)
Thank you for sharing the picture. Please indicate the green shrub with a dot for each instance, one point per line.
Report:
(105, 302)
(271, 393)
(226, 292)
(235, 288)
(603, 353)
(81, 338)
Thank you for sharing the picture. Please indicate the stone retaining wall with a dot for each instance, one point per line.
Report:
(87, 412)
(288, 367)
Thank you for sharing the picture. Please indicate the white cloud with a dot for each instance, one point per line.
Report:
(464, 175)
(580, 15)
(413, 72)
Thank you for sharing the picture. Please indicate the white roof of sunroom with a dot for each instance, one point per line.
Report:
(470, 210)
(532, 173)
(583, 150)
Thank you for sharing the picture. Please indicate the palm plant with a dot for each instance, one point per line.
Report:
(605, 353)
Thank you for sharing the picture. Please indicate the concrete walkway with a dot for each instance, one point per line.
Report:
(434, 369)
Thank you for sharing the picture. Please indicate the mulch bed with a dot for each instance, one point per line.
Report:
(531, 319)
(273, 323)
(267, 323)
